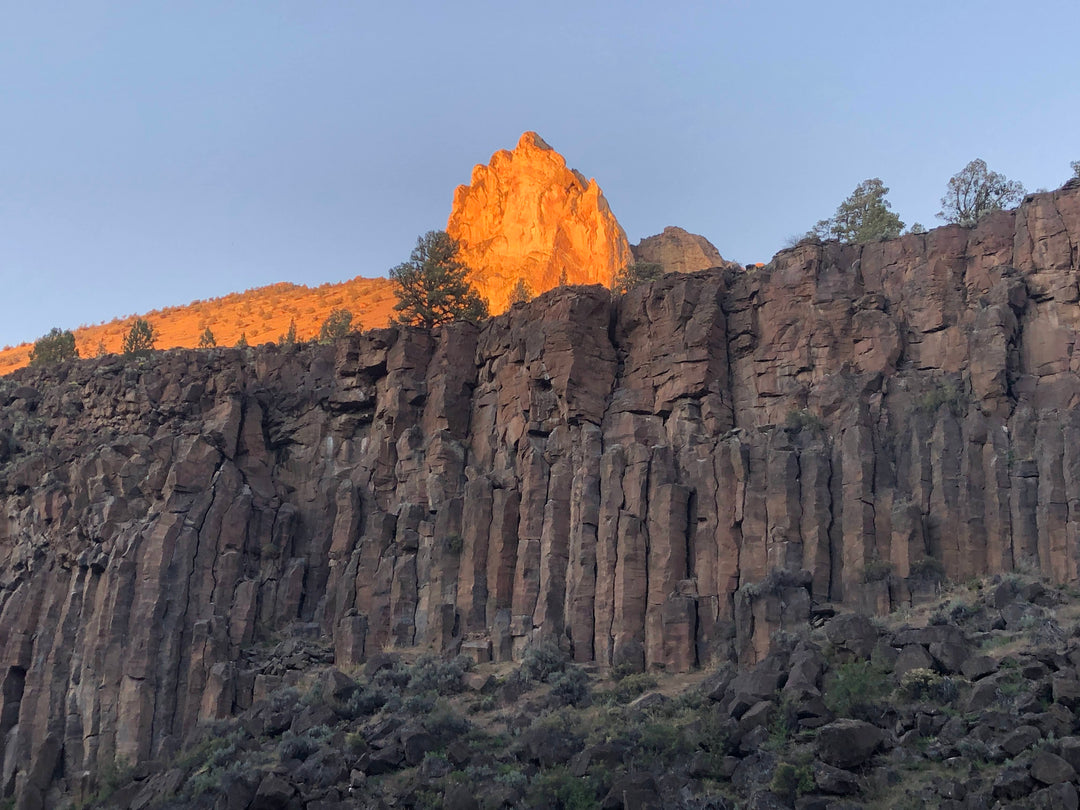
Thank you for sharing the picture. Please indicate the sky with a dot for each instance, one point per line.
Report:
(152, 154)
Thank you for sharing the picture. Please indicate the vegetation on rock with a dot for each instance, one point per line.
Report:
(53, 348)
(975, 191)
(432, 287)
(140, 338)
(337, 324)
(633, 274)
(862, 217)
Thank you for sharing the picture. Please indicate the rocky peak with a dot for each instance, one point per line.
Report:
(679, 251)
(526, 215)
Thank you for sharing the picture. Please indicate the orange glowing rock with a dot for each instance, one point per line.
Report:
(527, 216)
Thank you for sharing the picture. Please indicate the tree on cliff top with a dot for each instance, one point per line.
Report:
(140, 338)
(432, 287)
(337, 324)
(975, 191)
(862, 217)
(53, 348)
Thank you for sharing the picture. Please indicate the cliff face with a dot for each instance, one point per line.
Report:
(658, 480)
(527, 216)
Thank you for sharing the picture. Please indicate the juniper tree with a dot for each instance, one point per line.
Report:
(862, 217)
(432, 287)
(53, 348)
(975, 191)
(140, 338)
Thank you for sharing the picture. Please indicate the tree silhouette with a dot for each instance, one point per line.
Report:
(432, 287)
(53, 348)
(140, 338)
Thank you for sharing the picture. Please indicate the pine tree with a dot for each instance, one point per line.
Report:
(139, 339)
(432, 287)
(521, 293)
(289, 338)
(862, 217)
(206, 339)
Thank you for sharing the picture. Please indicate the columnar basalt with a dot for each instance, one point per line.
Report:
(657, 480)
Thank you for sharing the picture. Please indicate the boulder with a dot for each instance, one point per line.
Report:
(1050, 769)
(847, 743)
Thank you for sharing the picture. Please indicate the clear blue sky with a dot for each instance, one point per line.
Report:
(152, 153)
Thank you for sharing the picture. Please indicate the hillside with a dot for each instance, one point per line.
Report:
(262, 315)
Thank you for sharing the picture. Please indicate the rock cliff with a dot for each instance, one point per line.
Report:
(525, 215)
(659, 480)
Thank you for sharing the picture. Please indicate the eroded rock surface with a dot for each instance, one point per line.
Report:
(659, 480)
(526, 216)
(679, 251)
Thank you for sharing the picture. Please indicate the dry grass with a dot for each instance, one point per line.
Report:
(262, 315)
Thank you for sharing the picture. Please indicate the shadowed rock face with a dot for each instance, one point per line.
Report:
(661, 479)
(527, 216)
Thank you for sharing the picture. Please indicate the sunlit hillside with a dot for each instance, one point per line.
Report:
(261, 315)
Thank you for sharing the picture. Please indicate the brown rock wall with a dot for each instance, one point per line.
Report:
(658, 481)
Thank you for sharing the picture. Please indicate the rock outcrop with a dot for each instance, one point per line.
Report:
(659, 480)
(526, 216)
(679, 251)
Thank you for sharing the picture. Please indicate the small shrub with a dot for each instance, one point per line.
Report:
(630, 687)
(791, 781)
(540, 661)
(928, 568)
(664, 741)
(419, 704)
(853, 689)
(804, 419)
(365, 702)
(301, 746)
(444, 722)
(944, 395)
(559, 789)
(777, 580)
(431, 674)
(571, 686)
(454, 543)
(877, 571)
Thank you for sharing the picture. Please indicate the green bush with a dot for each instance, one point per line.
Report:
(853, 689)
(877, 571)
(541, 661)
(925, 684)
(927, 568)
(431, 674)
(804, 420)
(791, 781)
(337, 324)
(944, 395)
(140, 338)
(53, 348)
(559, 789)
(630, 687)
(571, 686)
